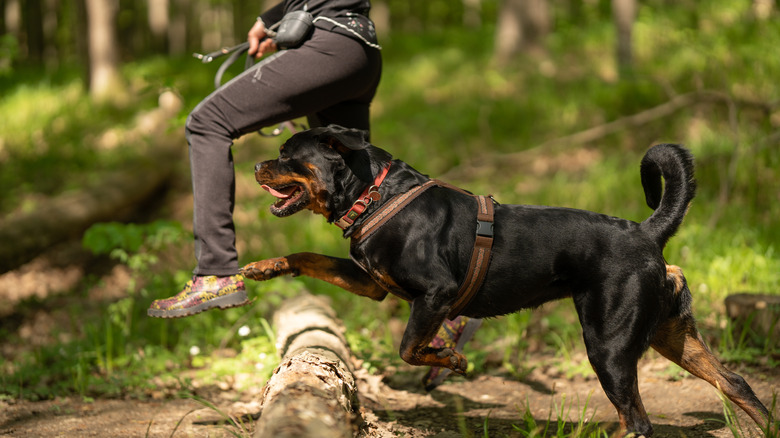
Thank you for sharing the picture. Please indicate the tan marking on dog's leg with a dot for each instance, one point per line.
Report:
(343, 273)
(424, 322)
(679, 341)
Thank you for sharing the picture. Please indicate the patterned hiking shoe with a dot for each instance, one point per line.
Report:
(452, 334)
(202, 293)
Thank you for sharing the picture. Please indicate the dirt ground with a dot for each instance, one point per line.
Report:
(396, 405)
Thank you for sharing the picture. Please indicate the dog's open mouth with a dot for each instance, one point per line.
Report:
(290, 199)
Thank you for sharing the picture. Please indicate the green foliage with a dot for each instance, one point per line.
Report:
(124, 242)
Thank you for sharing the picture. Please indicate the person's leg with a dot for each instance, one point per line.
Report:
(330, 70)
(326, 70)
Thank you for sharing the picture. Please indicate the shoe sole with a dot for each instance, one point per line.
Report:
(236, 299)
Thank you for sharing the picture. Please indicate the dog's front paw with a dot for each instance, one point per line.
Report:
(458, 362)
(265, 269)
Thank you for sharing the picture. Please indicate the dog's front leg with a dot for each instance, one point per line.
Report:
(424, 323)
(343, 273)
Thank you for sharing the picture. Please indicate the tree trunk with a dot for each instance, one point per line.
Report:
(177, 31)
(536, 24)
(105, 84)
(762, 9)
(758, 312)
(313, 392)
(509, 32)
(81, 40)
(12, 19)
(624, 13)
(522, 27)
(51, 53)
(380, 15)
(472, 14)
(33, 20)
(159, 23)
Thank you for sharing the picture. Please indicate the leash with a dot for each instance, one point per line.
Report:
(483, 244)
(235, 52)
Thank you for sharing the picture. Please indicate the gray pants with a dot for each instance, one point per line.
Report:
(331, 79)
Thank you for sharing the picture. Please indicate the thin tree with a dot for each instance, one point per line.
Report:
(624, 13)
(158, 18)
(522, 27)
(105, 82)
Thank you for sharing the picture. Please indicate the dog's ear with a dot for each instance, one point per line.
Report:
(343, 140)
(362, 158)
(352, 145)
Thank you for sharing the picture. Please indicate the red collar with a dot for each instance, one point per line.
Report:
(369, 195)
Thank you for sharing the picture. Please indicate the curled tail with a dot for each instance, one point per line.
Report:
(671, 202)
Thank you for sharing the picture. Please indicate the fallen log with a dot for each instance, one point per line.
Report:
(113, 196)
(313, 392)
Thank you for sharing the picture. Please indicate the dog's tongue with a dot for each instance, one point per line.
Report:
(281, 193)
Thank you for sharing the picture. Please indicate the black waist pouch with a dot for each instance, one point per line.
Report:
(294, 29)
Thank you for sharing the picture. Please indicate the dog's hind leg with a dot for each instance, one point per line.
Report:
(678, 340)
(424, 322)
(616, 368)
(614, 329)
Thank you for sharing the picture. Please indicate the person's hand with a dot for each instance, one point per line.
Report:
(257, 45)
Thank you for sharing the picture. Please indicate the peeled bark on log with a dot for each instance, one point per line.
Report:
(761, 312)
(313, 392)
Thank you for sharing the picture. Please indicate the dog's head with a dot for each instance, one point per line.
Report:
(323, 170)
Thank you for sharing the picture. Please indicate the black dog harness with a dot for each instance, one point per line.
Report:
(480, 254)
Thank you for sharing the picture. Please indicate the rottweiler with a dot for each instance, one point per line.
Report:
(626, 296)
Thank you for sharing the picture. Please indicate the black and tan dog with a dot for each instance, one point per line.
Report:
(627, 297)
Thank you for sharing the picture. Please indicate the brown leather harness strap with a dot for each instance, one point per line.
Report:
(389, 209)
(480, 255)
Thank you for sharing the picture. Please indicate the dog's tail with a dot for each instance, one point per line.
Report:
(675, 164)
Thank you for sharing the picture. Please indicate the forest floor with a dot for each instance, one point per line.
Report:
(396, 405)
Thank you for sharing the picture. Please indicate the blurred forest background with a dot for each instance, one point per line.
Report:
(537, 102)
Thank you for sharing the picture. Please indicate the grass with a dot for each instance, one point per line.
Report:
(563, 425)
(442, 105)
(740, 430)
(232, 425)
